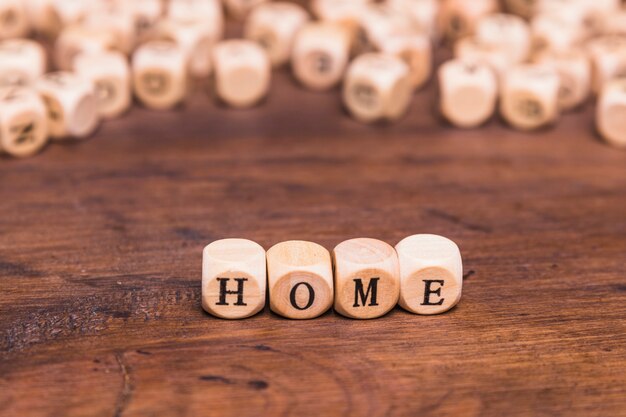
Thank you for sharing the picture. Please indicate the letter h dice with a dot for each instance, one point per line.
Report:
(233, 278)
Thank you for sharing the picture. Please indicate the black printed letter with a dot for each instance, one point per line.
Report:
(372, 288)
(224, 291)
(428, 291)
(292, 296)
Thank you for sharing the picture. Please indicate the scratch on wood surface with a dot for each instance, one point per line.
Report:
(125, 394)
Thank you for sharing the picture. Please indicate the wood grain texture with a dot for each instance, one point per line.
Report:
(101, 248)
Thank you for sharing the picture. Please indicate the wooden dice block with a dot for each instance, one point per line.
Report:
(574, 70)
(23, 122)
(204, 12)
(233, 278)
(116, 20)
(506, 31)
(423, 14)
(71, 105)
(377, 87)
(550, 33)
(431, 274)
(159, 74)
(611, 113)
(13, 19)
(320, 55)
(472, 49)
(367, 278)
(608, 60)
(274, 26)
(349, 15)
(458, 18)
(195, 38)
(529, 97)
(110, 74)
(239, 9)
(468, 92)
(416, 51)
(381, 22)
(522, 8)
(242, 72)
(22, 62)
(300, 279)
(78, 39)
(145, 14)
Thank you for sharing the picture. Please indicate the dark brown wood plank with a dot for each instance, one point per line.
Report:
(100, 255)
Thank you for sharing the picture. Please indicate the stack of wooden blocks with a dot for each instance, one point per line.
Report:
(424, 274)
(543, 58)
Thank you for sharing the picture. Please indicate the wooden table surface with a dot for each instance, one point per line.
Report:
(100, 261)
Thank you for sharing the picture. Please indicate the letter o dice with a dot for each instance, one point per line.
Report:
(242, 72)
(611, 113)
(431, 274)
(367, 278)
(233, 278)
(300, 278)
(23, 122)
(159, 74)
(530, 96)
(377, 87)
(71, 104)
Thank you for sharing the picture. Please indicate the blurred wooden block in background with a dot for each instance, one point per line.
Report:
(377, 87)
(611, 112)
(242, 72)
(367, 278)
(13, 19)
(23, 122)
(574, 70)
(110, 74)
(159, 74)
(468, 92)
(274, 27)
(320, 55)
(300, 278)
(22, 62)
(529, 96)
(71, 105)
(431, 274)
(234, 278)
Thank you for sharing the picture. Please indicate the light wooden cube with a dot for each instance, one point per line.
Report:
(529, 96)
(320, 55)
(381, 22)
(300, 278)
(234, 278)
(274, 26)
(347, 14)
(458, 18)
(22, 62)
(431, 274)
(367, 278)
(608, 60)
(416, 51)
(195, 39)
(574, 71)
(116, 20)
(506, 31)
(13, 19)
(146, 14)
(611, 113)
(159, 74)
(242, 72)
(71, 105)
(377, 87)
(550, 33)
(205, 12)
(614, 23)
(423, 13)
(468, 92)
(472, 49)
(522, 8)
(78, 39)
(110, 74)
(239, 9)
(23, 122)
